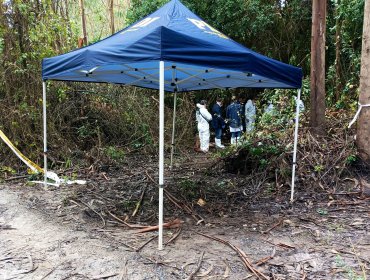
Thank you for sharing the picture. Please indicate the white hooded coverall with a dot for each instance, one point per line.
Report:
(250, 115)
(270, 108)
(203, 117)
(300, 104)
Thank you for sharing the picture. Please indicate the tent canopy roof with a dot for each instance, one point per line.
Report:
(196, 56)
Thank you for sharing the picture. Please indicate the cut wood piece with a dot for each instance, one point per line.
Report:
(172, 224)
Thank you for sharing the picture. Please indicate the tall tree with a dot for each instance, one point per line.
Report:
(111, 15)
(363, 131)
(83, 20)
(318, 66)
(338, 73)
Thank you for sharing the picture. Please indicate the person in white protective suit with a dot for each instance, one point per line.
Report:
(250, 115)
(300, 104)
(203, 118)
(270, 108)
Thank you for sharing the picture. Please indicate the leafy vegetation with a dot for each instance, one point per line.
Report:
(88, 122)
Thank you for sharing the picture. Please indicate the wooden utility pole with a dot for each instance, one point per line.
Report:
(83, 20)
(111, 15)
(363, 130)
(318, 66)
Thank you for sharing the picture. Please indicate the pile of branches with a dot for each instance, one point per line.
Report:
(322, 161)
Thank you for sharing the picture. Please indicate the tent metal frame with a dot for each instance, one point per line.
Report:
(162, 83)
(161, 153)
(140, 74)
(298, 99)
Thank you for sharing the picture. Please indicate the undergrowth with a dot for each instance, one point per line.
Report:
(322, 161)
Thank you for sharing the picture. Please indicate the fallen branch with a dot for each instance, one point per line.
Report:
(346, 193)
(147, 242)
(6, 227)
(185, 207)
(266, 259)
(6, 259)
(51, 271)
(158, 262)
(15, 178)
(285, 245)
(123, 274)
(274, 226)
(172, 224)
(241, 254)
(32, 267)
(197, 268)
(208, 271)
(101, 217)
(125, 223)
(227, 270)
(74, 274)
(363, 267)
(138, 204)
(132, 248)
(104, 276)
(150, 178)
(177, 233)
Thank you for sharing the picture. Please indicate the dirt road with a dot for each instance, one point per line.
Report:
(34, 246)
(42, 237)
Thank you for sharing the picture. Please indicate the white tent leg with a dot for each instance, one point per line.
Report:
(45, 131)
(295, 143)
(173, 127)
(161, 153)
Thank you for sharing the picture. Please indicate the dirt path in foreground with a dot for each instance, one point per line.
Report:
(41, 237)
(36, 247)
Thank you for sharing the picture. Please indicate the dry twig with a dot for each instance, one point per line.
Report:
(274, 226)
(125, 223)
(138, 204)
(177, 233)
(197, 268)
(145, 243)
(241, 254)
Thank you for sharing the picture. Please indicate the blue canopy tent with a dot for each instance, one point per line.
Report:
(171, 50)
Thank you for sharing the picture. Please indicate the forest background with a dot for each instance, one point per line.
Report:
(102, 123)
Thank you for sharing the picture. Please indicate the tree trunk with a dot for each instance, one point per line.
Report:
(83, 20)
(318, 66)
(18, 22)
(363, 131)
(68, 21)
(111, 16)
(338, 65)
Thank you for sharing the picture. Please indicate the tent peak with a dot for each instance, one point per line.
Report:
(175, 35)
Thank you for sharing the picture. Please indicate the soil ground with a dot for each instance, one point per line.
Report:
(68, 232)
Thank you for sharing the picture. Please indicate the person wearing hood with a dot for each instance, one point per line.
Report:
(203, 118)
(250, 115)
(241, 101)
(300, 104)
(233, 115)
(270, 109)
(218, 122)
